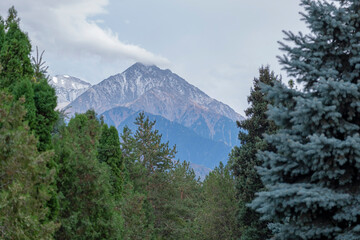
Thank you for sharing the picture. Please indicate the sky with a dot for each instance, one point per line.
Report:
(216, 45)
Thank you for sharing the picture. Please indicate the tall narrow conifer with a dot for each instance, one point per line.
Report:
(109, 152)
(244, 157)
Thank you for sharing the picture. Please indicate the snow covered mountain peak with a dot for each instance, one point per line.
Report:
(156, 91)
(67, 88)
(68, 82)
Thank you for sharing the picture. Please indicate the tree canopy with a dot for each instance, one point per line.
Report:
(312, 174)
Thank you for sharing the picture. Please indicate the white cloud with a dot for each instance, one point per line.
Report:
(71, 27)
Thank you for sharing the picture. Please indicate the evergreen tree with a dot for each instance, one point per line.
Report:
(25, 180)
(149, 164)
(14, 52)
(109, 152)
(46, 116)
(18, 77)
(217, 217)
(136, 212)
(45, 103)
(244, 159)
(182, 204)
(15, 62)
(136, 209)
(154, 155)
(157, 159)
(87, 209)
(40, 69)
(313, 176)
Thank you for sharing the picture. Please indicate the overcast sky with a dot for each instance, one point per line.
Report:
(216, 45)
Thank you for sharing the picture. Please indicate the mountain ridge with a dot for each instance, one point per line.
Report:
(156, 91)
(203, 128)
(67, 88)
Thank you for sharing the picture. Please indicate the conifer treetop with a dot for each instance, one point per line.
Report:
(312, 175)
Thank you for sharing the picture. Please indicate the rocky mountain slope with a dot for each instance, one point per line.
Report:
(161, 92)
(203, 128)
(68, 88)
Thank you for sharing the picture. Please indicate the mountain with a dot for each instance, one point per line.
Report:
(200, 171)
(190, 146)
(161, 92)
(203, 129)
(67, 88)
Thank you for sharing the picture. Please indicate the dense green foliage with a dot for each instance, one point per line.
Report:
(165, 190)
(35, 192)
(25, 179)
(312, 175)
(87, 208)
(93, 187)
(244, 159)
(16, 70)
(217, 215)
(20, 77)
(80, 180)
(109, 152)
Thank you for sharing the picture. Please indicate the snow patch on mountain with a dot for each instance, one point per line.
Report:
(67, 88)
(159, 92)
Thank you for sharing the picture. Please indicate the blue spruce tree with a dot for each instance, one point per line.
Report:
(313, 175)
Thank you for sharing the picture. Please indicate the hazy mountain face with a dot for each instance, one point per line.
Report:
(67, 88)
(190, 145)
(203, 128)
(161, 92)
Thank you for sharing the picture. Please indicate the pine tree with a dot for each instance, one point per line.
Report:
(25, 179)
(148, 162)
(244, 159)
(136, 209)
(87, 208)
(313, 175)
(154, 155)
(157, 158)
(217, 216)
(180, 198)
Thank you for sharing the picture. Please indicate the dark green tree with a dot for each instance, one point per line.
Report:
(136, 209)
(109, 152)
(46, 116)
(14, 52)
(217, 215)
(87, 208)
(312, 175)
(25, 179)
(153, 154)
(157, 159)
(45, 103)
(244, 159)
(149, 163)
(182, 203)
(17, 76)
(40, 69)
(15, 62)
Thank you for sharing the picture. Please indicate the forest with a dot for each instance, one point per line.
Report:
(294, 175)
